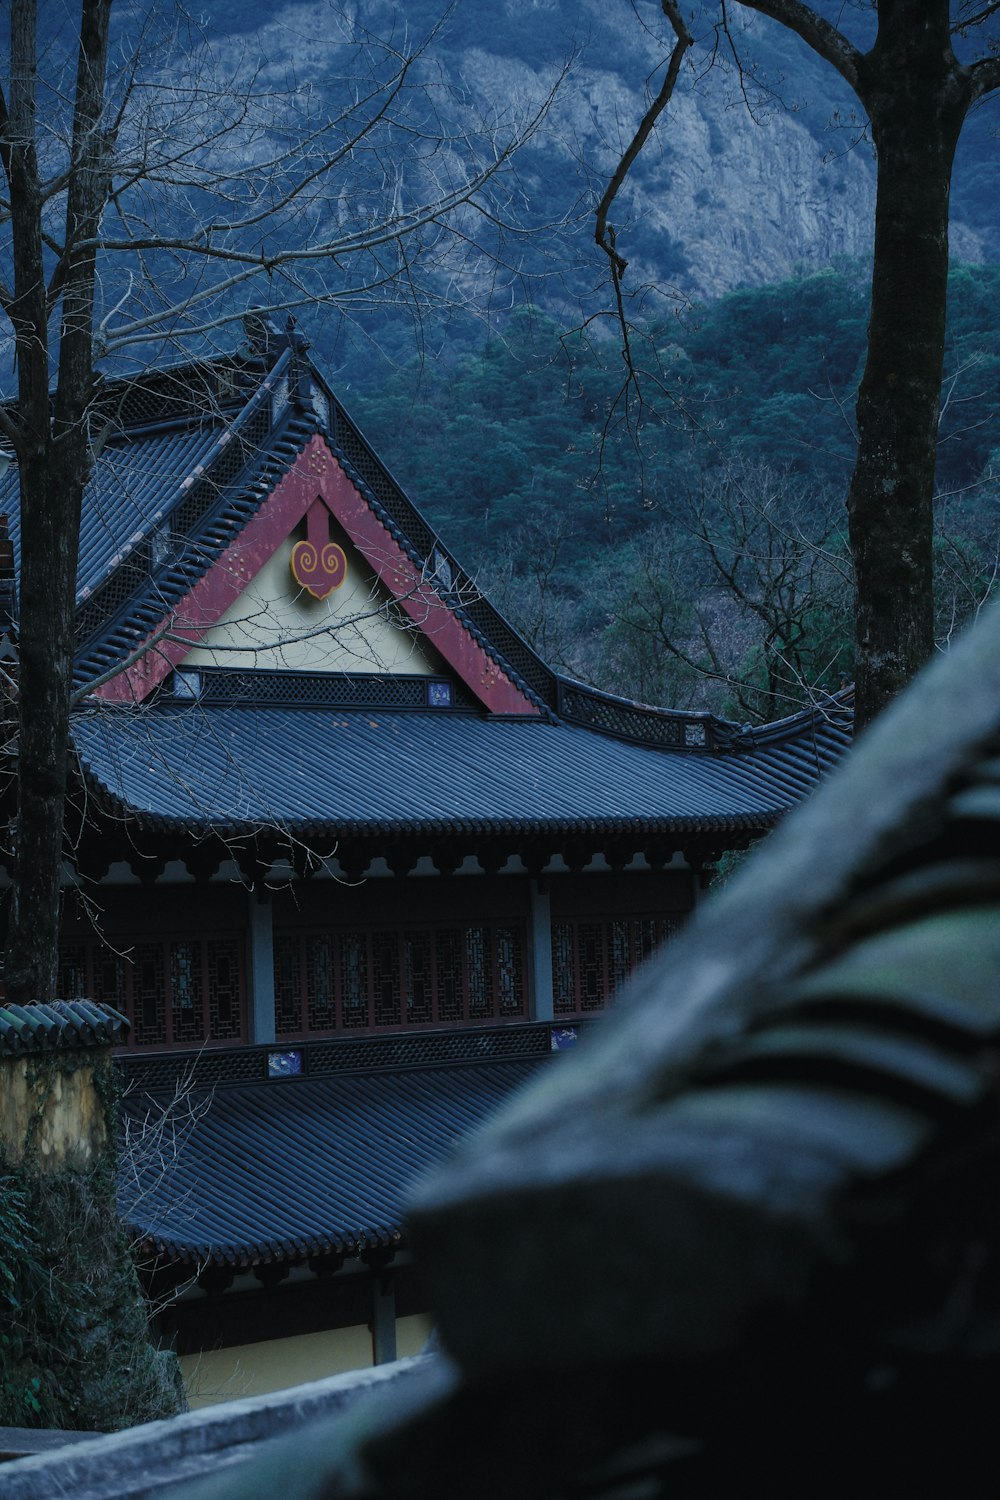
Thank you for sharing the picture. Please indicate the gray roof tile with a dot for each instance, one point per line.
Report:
(341, 772)
(62, 1024)
(303, 1167)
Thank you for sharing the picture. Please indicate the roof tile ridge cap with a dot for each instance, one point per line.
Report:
(27, 1013)
(89, 708)
(265, 388)
(80, 1008)
(700, 715)
(835, 709)
(108, 1016)
(43, 1010)
(379, 510)
(460, 608)
(79, 1016)
(402, 539)
(484, 643)
(399, 536)
(229, 431)
(37, 1024)
(176, 367)
(275, 466)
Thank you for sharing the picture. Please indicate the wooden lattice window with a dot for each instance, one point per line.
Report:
(563, 969)
(386, 955)
(225, 989)
(146, 995)
(449, 976)
(186, 987)
(355, 996)
(591, 959)
(418, 978)
(177, 991)
(287, 987)
(510, 972)
(393, 978)
(321, 988)
(478, 974)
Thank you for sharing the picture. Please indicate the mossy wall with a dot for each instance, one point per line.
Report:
(57, 1119)
(73, 1323)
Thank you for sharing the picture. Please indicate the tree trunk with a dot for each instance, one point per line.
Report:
(917, 97)
(54, 465)
(51, 492)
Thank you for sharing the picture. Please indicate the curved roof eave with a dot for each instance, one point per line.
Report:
(331, 774)
(281, 1171)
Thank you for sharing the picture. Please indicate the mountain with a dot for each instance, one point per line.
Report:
(755, 174)
(752, 175)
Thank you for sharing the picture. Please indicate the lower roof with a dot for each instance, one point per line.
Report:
(334, 772)
(299, 1167)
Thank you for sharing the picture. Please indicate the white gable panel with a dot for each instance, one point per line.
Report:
(275, 625)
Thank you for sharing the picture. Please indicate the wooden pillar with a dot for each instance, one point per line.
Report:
(260, 979)
(540, 928)
(383, 1319)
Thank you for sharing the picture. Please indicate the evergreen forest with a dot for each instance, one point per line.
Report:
(675, 531)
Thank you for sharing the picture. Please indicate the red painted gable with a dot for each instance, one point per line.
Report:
(316, 475)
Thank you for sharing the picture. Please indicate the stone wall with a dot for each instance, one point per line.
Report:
(52, 1116)
(73, 1321)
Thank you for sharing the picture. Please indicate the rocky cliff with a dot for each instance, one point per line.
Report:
(760, 167)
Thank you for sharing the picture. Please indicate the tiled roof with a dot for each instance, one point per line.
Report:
(331, 771)
(198, 449)
(200, 480)
(800, 749)
(301, 1167)
(60, 1024)
(138, 477)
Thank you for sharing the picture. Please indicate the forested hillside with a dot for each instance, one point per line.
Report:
(682, 538)
(684, 541)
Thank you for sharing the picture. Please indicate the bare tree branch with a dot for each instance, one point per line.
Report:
(603, 233)
(970, 17)
(818, 33)
(985, 75)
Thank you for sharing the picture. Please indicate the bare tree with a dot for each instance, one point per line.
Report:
(527, 580)
(739, 601)
(931, 62)
(738, 604)
(144, 200)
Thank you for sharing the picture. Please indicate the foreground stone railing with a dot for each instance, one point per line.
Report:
(149, 1460)
(28, 1442)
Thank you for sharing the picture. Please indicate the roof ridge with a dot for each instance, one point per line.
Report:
(158, 587)
(60, 1024)
(837, 707)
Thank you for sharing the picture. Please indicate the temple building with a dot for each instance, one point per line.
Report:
(349, 856)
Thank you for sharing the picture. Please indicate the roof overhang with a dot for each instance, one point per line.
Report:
(297, 1168)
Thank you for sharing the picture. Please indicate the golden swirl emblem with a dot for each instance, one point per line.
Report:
(318, 570)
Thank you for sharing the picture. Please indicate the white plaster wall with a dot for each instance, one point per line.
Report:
(275, 625)
(219, 1375)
